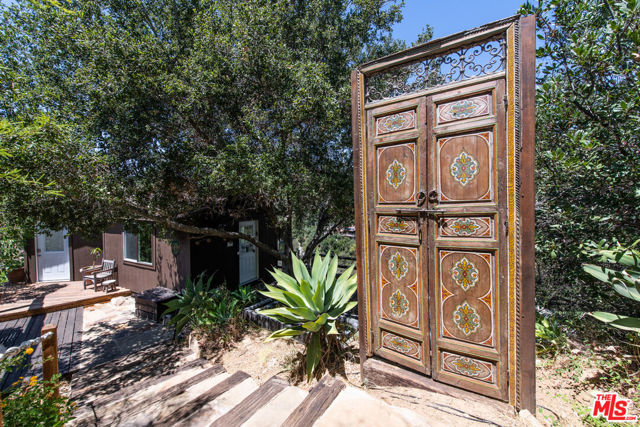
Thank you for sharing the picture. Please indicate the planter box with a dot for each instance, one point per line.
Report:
(17, 276)
(152, 303)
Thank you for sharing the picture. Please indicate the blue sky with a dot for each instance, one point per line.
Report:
(448, 18)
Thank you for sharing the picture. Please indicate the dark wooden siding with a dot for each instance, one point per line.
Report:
(166, 270)
(30, 261)
(81, 248)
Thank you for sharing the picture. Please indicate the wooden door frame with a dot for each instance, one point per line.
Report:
(519, 34)
(69, 252)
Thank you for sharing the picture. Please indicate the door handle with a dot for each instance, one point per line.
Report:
(422, 196)
(432, 196)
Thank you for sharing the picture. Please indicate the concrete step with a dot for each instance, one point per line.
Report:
(105, 380)
(371, 412)
(98, 404)
(121, 409)
(219, 406)
(160, 411)
(277, 410)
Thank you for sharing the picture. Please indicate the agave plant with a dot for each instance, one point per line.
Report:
(312, 303)
(625, 280)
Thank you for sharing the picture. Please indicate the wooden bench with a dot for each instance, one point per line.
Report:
(110, 284)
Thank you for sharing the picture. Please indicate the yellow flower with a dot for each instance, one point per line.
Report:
(15, 383)
(33, 381)
(29, 350)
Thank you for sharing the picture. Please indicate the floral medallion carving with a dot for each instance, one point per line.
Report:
(398, 265)
(466, 318)
(464, 168)
(400, 344)
(463, 109)
(466, 366)
(396, 122)
(465, 274)
(397, 225)
(399, 304)
(396, 174)
(465, 227)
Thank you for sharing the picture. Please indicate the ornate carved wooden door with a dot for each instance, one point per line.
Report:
(440, 235)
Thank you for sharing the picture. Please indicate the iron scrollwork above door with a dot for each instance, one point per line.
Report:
(462, 63)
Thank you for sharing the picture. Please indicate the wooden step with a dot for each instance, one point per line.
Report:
(194, 405)
(317, 401)
(126, 409)
(275, 412)
(252, 403)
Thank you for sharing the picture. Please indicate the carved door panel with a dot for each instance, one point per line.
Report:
(397, 140)
(443, 137)
(436, 255)
(466, 247)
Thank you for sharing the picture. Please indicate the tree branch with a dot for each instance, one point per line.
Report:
(205, 231)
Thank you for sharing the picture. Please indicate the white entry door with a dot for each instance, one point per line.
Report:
(248, 253)
(53, 256)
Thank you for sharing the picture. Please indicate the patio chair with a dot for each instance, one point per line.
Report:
(105, 276)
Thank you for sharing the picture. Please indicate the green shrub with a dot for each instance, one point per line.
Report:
(624, 278)
(550, 338)
(201, 306)
(312, 303)
(245, 295)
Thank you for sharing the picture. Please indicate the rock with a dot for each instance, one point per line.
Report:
(117, 301)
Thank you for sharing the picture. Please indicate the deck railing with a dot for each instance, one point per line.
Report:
(49, 341)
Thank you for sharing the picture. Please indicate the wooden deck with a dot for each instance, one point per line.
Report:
(16, 331)
(50, 297)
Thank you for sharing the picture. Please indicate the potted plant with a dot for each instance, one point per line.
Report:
(16, 273)
(95, 253)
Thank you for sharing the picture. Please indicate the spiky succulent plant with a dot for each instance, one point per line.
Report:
(312, 303)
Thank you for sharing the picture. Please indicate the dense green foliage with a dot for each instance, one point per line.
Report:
(312, 303)
(180, 113)
(624, 279)
(587, 142)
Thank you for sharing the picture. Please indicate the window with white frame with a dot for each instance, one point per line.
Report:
(137, 246)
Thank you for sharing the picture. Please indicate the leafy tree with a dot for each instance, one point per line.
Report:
(181, 113)
(587, 140)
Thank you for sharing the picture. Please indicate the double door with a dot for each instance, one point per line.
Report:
(436, 216)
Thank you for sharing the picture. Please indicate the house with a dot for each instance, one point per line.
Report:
(148, 259)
